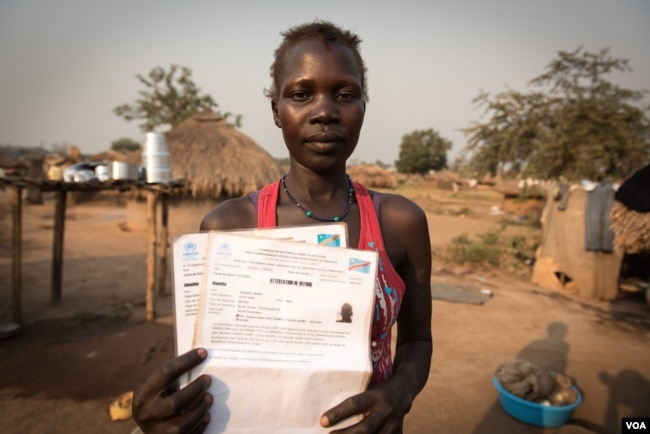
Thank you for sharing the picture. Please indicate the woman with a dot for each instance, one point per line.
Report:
(318, 100)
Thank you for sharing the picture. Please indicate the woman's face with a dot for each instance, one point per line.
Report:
(320, 105)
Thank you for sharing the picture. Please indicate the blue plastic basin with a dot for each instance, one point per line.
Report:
(547, 416)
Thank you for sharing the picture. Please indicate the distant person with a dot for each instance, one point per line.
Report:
(346, 313)
(318, 99)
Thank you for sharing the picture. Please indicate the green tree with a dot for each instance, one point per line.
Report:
(575, 124)
(421, 151)
(125, 144)
(170, 97)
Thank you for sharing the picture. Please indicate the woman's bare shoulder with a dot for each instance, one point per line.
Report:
(237, 213)
(399, 210)
(403, 224)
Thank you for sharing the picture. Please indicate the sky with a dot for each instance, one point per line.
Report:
(66, 64)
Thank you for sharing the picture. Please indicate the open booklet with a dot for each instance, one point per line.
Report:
(286, 325)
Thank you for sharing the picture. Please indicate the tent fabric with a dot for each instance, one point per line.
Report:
(598, 233)
(634, 193)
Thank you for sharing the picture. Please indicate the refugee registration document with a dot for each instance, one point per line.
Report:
(282, 347)
(189, 263)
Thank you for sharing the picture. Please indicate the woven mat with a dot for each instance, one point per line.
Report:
(459, 294)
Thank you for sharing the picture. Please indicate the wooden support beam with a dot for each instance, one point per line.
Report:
(152, 200)
(57, 247)
(17, 245)
(155, 247)
(163, 240)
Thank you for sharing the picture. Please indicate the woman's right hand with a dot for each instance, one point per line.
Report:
(160, 407)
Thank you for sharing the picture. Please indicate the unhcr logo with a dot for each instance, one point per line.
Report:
(190, 250)
(190, 247)
(223, 249)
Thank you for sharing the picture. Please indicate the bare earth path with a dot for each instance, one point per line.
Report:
(73, 358)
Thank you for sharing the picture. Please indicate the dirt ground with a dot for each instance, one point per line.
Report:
(70, 360)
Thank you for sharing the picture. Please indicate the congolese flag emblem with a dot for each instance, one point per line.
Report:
(330, 240)
(360, 265)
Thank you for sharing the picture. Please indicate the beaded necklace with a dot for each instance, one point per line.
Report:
(314, 216)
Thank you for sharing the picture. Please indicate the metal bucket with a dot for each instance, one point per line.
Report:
(123, 171)
(101, 172)
(155, 159)
(159, 159)
(158, 175)
(155, 143)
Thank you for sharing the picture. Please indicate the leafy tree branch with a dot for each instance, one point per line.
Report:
(575, 124)
(169, 98)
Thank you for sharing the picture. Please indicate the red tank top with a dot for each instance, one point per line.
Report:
(389, 288)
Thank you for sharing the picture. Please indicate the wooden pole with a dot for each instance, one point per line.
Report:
(163, 243)
(57, 247)
(152, 199)
(34, 194)
(17, 243)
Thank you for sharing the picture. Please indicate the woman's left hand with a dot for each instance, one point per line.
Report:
(382, 411)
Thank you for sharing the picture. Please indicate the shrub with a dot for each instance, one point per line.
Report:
(485, 250)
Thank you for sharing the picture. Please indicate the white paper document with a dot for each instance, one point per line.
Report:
(287, 329)
(188, 258)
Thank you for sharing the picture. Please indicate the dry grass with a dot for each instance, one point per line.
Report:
(500, 240)
(445, 202)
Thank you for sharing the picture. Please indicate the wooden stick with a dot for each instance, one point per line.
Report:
(57, 247)
(152, 199)
(17, 243)
(163, 243)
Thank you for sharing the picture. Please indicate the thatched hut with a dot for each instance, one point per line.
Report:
(372, 176)
(488, 179)
(631, 229)
(521, 197)
(121, 156)
(631, 213)
(630, 223)
(9, 165)
(216, 162)
(446, 179)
